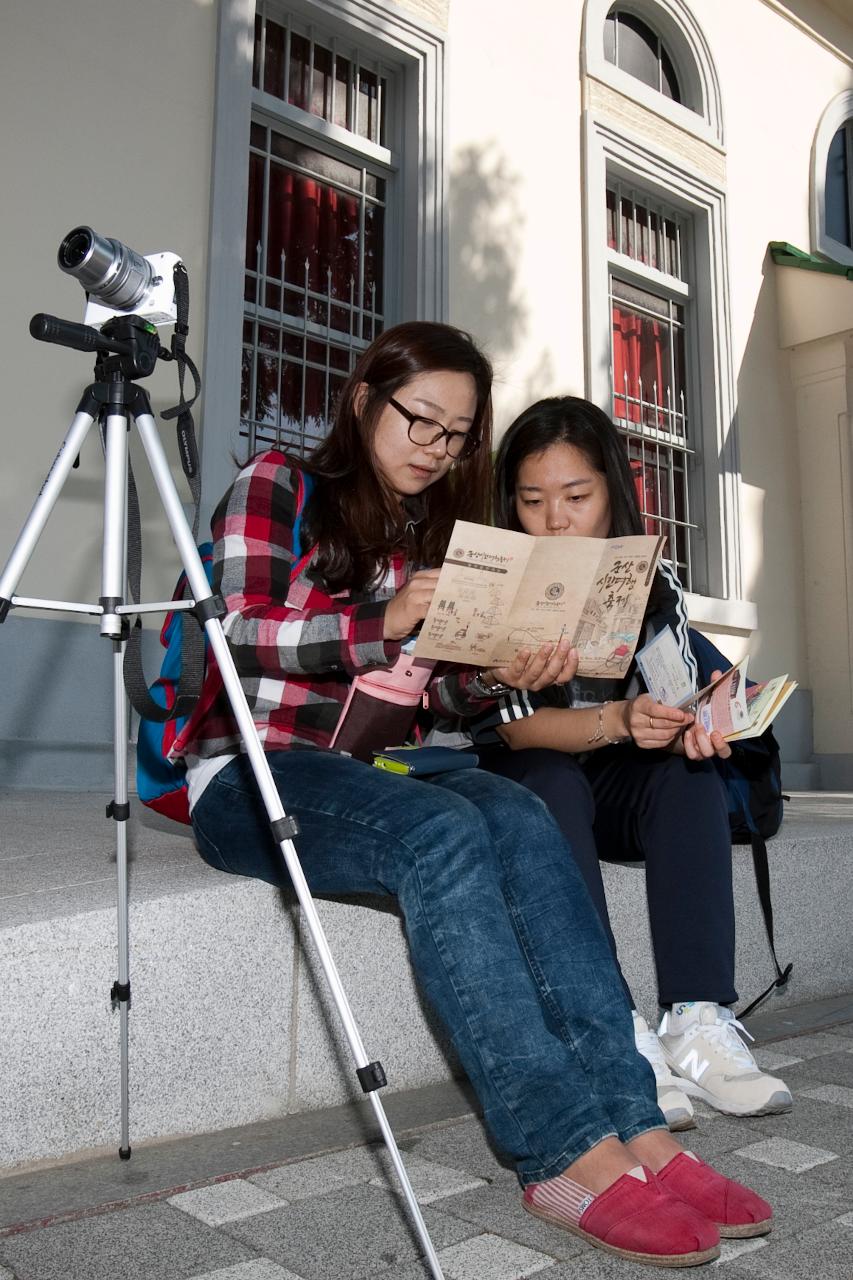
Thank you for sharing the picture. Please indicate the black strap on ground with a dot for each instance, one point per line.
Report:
(762, 881)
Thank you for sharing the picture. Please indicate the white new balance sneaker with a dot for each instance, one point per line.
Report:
(702, 1042)
(676, 1106)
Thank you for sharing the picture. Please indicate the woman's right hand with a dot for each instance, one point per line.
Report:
(652, 725)
(410, 605)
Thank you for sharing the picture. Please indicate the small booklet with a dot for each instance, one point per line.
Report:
(728, 705)
(739, 710)
(500, 591)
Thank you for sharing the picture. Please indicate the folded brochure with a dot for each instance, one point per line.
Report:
(501, 591)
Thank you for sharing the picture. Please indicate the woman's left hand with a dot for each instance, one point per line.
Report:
(549, 665)
(699, 745)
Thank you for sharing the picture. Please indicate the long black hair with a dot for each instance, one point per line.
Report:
(573, 421)
(353, 515)
(581, 424)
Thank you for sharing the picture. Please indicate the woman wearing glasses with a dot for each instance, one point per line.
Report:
(503, 938)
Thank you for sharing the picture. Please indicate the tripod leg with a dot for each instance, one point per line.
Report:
(113, 626)
(42, 507)
(119, 810)
(370, 1074)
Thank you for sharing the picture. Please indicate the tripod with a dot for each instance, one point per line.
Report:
(127, 349)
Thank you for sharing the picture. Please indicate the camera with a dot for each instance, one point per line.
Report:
(118, 280)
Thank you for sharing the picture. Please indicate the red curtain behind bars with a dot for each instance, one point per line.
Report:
(641, 359)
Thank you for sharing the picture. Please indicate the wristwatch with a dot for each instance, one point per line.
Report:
(480, 689)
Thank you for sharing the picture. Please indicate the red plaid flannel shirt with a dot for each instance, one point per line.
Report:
(296, 645)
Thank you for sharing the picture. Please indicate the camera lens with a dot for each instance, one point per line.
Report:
(107, 269)
(74, 248)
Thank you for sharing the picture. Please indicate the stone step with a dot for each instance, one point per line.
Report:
(230, 1023)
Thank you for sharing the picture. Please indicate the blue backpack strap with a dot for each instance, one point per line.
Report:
(304, 490)
(161, 783)
(754, 764)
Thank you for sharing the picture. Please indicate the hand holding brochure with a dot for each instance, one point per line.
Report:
(500, 591)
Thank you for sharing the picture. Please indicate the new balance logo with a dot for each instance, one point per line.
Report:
(693, 1065)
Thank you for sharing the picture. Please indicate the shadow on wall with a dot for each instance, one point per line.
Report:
(487, 229)
(771, 530)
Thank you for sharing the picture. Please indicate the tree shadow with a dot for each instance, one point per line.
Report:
(486, 231)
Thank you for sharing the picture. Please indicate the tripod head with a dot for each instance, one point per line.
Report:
(126, 346)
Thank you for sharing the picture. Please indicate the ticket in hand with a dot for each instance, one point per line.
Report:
(664, 670)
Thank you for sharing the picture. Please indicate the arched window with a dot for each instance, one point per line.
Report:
(632, 46)
(832, 181)
(655, 52)
(838, 184)
(658, 356)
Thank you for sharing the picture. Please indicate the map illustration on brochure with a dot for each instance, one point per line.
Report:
(500, 591)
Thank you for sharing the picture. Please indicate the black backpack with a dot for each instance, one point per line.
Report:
(753, 780)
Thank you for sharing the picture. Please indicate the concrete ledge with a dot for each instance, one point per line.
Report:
(229, 1023)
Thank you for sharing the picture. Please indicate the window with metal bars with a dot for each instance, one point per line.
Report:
(648, 304)
(316, 232)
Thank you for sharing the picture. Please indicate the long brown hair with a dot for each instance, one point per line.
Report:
(353, 515)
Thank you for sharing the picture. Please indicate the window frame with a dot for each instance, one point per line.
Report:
(420, 276)
(700, 112)
(611, 153)
(662, 52)
(671, 289)
(687, 173)
(836, 114)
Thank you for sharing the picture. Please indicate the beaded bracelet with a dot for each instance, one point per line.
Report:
(600, 735)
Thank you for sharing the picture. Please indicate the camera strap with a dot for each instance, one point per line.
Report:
(187, 447)
(192, 637)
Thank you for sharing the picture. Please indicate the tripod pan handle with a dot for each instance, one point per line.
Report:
(82, 337)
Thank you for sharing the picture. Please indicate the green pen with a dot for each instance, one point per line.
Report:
(392, 766)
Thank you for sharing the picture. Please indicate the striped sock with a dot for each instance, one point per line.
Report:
(561, 1197)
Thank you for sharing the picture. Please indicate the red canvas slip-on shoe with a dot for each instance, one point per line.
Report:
(735, 1209)
(634, 1218)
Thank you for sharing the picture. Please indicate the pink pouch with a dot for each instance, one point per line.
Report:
(380, 709)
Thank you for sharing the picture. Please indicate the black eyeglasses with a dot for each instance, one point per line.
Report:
(424, 431)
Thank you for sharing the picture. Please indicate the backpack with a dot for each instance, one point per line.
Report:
(161, 783)
(752, 777)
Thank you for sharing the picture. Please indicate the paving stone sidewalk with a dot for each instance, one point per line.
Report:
(338, 1214)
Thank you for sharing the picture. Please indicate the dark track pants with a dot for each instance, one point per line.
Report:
(623, 805)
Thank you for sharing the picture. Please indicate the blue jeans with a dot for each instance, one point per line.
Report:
(503, 937)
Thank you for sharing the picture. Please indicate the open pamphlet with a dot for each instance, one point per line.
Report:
(501, 591)
(728, 705)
